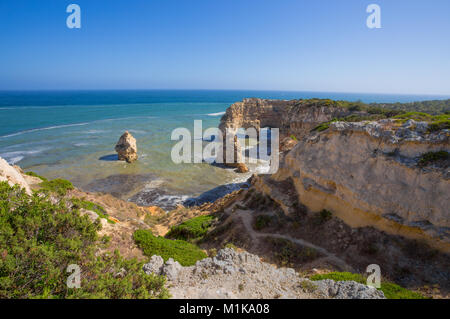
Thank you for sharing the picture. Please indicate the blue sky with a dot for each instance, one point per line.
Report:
(320, 45)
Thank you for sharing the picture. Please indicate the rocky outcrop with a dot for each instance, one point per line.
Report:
(11, 175)
(367, 174)
(126, 148)
(233, 274)
(295, 117)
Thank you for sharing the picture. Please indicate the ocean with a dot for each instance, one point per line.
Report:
(72, 134)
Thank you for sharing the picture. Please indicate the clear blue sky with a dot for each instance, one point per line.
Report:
(318, 45)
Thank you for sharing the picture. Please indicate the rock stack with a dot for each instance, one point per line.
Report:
(126, 148)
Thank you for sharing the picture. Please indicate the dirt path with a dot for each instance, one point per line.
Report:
(246, 217)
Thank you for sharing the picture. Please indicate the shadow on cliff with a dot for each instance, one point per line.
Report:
(214, 194)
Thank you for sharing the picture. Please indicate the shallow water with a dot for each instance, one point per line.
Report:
(72, 135)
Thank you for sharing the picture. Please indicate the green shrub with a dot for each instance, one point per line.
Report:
(322, 217)
(39, 239)
(262, 221)
(58, 186)
(194, 228)
(321, 127)
(435, 122)
(231, 246)
(390, 290)
(36, 175)
(98, 209)
(431, 157)
(185, 253)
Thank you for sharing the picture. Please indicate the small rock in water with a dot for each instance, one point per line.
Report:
(126, 148)
(242, 168)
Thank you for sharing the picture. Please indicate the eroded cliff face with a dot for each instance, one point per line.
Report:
(367, 174)
(295, 117)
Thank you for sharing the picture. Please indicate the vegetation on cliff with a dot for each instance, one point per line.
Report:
(435, 113)
(192, 229)
(98, 209)
(433, 107)
(182, 251)
(58, 186)
(432, 157)
(39, 240)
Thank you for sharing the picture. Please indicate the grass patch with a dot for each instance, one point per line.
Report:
(58, 186)
(192, 229)
(98, 209)
(390, 290)
(36, 175)
(322, 127)
(185, 253)
(431, 157)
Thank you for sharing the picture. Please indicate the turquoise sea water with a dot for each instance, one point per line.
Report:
(72, 134)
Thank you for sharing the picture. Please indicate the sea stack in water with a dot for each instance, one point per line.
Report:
(126, 148)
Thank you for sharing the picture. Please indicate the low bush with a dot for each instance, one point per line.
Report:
(98, 209)
(39, 240)
(435, 122)
(36, 175)
(58, 186)
(192, 229)
(185, 253)
(262, 221)
(322, 217)
(432, 157)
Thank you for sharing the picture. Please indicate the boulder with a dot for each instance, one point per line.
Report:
(126, 148)
(171, 269)
(154, 266)
(242, 168)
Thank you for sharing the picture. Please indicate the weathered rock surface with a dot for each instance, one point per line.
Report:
(232, 274)
(126, 148)
(11, 175)
(295, 117)
(366, 173)
(347, 290)
(287, 144)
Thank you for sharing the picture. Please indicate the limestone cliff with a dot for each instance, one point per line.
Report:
(296, 117)
(367, 173)
(12, 176)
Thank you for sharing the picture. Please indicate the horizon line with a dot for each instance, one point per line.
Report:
(224, 90)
